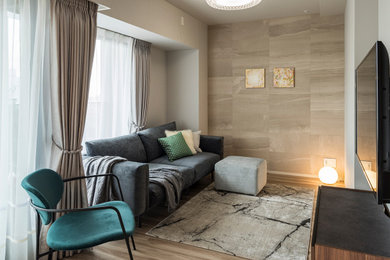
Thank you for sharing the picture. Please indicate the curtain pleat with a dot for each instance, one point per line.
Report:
(73, 24)
(140, 85)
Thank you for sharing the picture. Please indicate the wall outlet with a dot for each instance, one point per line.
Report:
(330, 163)
(366, 165)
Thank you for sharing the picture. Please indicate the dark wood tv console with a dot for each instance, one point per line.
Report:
(349, 224)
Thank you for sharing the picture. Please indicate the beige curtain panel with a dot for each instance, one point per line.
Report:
(140, 85)
(73, 32)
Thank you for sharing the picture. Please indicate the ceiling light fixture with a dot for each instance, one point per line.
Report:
(232, 4)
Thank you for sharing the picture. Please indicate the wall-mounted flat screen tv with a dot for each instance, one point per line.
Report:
(373, 120)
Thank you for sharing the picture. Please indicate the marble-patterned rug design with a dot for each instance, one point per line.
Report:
(273, 225)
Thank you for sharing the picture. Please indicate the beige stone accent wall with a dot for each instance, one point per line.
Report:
(295, 128)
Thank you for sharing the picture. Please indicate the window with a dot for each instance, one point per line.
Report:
(109, 95)
(14, 55)
(13, 86)
(25, 130)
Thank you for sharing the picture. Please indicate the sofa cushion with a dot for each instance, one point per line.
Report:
(157, 193)
(203, 163)
(175, 146)
(187, 173)
(150, 137)
(127, 146)
(196, 136)
(188, 137)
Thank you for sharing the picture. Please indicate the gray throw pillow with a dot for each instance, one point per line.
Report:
(149, 138)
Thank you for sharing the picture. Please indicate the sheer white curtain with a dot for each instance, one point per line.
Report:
(109, 100)
(24, 117)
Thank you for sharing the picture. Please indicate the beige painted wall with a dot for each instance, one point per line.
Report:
(383, 22)
(161, 17)
(183, 97)
(157, 113)
(349, 94)
(293, 129)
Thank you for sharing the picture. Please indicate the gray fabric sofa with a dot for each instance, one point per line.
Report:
(143, 152)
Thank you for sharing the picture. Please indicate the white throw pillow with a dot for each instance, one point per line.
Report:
(187, 134)
(196, 136)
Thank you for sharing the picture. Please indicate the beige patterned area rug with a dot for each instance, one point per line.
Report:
(273, 225)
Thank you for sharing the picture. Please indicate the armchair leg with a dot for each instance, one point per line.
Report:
(38, 231)
(132, 240)
(128, 248)
(50, 254)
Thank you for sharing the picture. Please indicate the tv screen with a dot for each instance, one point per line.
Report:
(372, 120)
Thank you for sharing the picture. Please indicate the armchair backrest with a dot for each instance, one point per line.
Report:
(45, 188)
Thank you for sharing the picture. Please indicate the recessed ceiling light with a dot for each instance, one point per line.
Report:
(103, 8)
(232, 4)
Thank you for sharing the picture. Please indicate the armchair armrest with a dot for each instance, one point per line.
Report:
(212, 144)
(72, 210)
(134, 178)
(93, 208)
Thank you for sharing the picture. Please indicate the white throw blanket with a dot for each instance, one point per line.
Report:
(100, 189)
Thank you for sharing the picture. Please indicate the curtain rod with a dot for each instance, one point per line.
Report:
(122, 34)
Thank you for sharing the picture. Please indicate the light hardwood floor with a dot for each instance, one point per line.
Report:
(154, 248)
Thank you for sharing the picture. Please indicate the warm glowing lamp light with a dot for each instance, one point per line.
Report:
(328, 175)
(372, 178)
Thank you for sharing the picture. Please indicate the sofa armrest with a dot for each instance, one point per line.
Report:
(134, 180)
(212, 144)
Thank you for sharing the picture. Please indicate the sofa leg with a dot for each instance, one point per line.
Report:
(139, 222)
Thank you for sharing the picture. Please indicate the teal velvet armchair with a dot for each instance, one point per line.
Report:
(79, 228)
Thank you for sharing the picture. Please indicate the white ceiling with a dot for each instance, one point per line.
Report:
(161, 42)
(266, 9)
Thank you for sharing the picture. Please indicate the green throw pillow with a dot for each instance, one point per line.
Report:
(175, 146)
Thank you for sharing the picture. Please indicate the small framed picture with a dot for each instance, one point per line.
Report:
(284, 77)
(255, 78)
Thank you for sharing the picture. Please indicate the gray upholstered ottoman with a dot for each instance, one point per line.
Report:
(241, 174)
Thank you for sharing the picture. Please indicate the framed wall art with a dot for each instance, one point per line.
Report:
(284, 77)
(255, 78)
